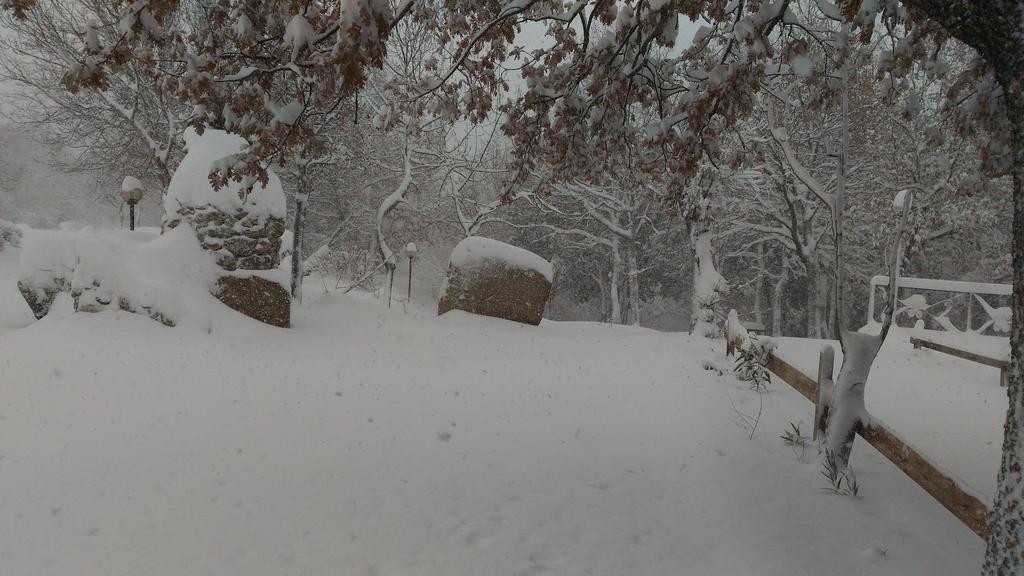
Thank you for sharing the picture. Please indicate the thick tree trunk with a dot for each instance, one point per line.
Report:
(846, 407)
(634, 284)
(707, 282)
(298, 229)
(1005, 548)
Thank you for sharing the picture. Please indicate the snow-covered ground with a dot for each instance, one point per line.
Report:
(950, 409)
(368, 441)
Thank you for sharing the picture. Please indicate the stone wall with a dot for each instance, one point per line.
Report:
(239, 241)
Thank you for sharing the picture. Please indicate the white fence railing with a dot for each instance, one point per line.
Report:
(946, 313)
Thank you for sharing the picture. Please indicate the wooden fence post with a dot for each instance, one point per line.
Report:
(826, 363)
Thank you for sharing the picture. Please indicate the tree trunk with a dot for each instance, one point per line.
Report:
(634, 284)
(707, 282)
(846, 407)
(616, 316)
(1004, 553)
(759, 285)
(811, 298)
(821, 306)
(846, 411)
(390, 267)
(604, 297)
(777, 292)
(298, 228)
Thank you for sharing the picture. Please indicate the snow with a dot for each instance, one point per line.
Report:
(900, 200)
(829, 10)
(801, 64)
(289, 113)
(130, 184)
(190, 186)
(477, 250)
(167, 273)
(734, 329)
(299, 34)
(950, 409)
(368, 441)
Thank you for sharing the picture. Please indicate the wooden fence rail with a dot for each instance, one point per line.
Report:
(965, 506)
(972, 356)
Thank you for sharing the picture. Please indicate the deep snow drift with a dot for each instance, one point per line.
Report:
(368, 441)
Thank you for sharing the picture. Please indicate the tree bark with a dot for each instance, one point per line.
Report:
(821, 306)
(1004, 553)
(604, 297)
(616, 316)
(634, 284)
(777, 291)
(759, 285)
(811, 298)
(707, 282)
(995, 28)
(298, 229)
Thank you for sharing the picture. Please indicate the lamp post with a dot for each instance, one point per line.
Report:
(410, 251)
(131, 193)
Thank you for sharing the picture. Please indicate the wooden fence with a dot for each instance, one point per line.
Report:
(965, 506)
(972, 356)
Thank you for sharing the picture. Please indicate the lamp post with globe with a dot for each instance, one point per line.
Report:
(410, 251)
(131, 193)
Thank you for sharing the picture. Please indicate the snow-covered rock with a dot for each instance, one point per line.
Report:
(492, 278)
(478, 251)
(163, 276)
(10, 233)
(243, 229)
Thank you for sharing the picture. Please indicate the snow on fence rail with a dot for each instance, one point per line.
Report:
(916, 306)
(968, 508)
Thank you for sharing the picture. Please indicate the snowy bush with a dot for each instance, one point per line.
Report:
(338, 264)
(841, 480)
(752, 362)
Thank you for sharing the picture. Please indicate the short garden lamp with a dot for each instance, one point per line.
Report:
(131, 193)
(410, 252)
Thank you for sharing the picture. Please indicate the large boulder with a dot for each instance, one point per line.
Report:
(256, 297)
(491, 278)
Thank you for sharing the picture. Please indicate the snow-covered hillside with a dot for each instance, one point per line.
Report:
(368, 441)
